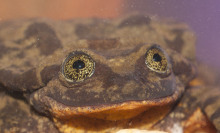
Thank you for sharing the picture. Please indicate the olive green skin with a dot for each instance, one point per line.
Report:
(32, 55)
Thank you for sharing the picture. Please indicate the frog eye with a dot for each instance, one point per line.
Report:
(156, 59)
(78, 66)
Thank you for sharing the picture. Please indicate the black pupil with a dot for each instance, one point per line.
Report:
(78, 64)
(157, 58)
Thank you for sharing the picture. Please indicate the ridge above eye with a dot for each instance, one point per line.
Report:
(78, 66)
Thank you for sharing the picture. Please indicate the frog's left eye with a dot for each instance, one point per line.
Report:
(78, 66)
(156, 59)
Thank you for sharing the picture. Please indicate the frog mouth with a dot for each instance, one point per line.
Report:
(112, 112)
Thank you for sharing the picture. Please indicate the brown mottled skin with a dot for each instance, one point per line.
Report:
(122, 93)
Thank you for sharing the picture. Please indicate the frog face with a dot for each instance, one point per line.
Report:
(89, 82)
(96, 67)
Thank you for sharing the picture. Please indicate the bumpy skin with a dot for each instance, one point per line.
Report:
(198, 109)
(18, 117)
(122, 93)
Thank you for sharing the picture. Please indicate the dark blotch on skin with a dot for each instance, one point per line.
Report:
(4, 50)
(26, 81)
(49, 72)
(21, 55)
(47, 41)
(117, 52)
(210, 101)
(82, 31)
(182, 68)
(27, 63)
(167, 84)
(103, 44)
(178, 43)
(96, 30)
(109, 77)
(215, 115)
(135, 21)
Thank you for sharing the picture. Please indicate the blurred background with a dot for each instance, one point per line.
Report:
(203, 16)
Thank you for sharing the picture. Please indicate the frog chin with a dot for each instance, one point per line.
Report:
(120, 111)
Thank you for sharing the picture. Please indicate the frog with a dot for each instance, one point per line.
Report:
(103, 75)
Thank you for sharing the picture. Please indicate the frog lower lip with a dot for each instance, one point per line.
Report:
(62, 111)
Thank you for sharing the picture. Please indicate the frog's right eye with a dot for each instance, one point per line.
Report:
(156, 59)
(78, 66)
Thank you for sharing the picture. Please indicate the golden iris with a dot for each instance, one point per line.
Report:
(78, 66)
(156, 60)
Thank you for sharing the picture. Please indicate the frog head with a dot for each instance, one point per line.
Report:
(109, 70)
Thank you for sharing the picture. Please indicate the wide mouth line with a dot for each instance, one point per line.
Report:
(156, 101)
